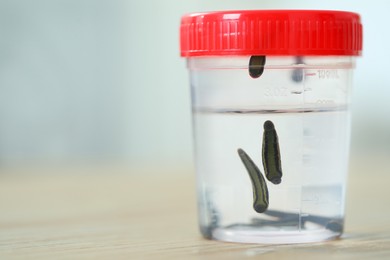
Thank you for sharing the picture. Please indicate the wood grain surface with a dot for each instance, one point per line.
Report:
(127, 214)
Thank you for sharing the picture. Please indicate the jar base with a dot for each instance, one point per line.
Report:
(273, 237)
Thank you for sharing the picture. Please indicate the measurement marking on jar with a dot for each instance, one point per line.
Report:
(276, 92)
(328, 74)
(325, 101)
(313, 199)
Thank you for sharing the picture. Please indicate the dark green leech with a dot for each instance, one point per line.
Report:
(271, 154)
(260, 190)
(297, 74)
(288, 219)
(256, 66)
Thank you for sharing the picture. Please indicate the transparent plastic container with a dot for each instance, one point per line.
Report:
(305, 100)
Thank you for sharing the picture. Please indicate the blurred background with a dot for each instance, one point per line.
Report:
(89, 82)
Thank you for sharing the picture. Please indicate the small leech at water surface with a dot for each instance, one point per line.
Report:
(256, 66)
(297, 74)
(271, 154)
(260, 190)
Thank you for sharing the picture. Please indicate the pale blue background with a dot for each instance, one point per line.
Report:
(85, 82)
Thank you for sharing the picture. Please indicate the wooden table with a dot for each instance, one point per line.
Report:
(115, 213)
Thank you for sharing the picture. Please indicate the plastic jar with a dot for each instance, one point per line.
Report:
(271, 95)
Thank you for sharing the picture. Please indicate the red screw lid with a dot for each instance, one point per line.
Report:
(271, 32)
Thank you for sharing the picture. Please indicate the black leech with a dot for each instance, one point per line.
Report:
(260, 190)
(271, 154)
(256, 66)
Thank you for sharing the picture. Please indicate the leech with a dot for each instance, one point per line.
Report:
(285, 218)
(297, 74)
(256, 66)
(271, 154)
(259, 186)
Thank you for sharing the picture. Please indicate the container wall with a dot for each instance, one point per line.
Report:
(306, 99)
